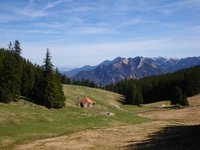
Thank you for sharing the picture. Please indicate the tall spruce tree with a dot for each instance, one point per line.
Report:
(17, 48)
(38, 88)
(53, 93)
(184, 101)
(179, 97)
(10, 73)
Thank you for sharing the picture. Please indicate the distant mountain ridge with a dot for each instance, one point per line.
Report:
(73, 72)
(126, 68)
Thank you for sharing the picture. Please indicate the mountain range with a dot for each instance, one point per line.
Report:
(130, 68)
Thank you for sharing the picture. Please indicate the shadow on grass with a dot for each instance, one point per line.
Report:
(171, 138)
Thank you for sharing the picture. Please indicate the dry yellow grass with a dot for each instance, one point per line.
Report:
(107, 139)
(24, 121)
(194, 100)
(168, 127)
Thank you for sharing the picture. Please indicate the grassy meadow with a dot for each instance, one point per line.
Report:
(23, 121)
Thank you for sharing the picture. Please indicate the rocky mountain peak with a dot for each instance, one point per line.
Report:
(123, 68)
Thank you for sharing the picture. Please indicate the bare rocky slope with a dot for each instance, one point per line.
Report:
(135, 68)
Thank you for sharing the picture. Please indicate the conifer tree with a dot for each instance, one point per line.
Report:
(183, 101)
(19, 76)
(179, 97)
(17, 48)
(38, 89)
(53, 93)
(9, 79)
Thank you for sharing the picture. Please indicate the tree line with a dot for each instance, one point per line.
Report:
(66, 80)
(175, 86)
(19, 77)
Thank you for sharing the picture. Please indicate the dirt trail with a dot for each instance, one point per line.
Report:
(119, 137)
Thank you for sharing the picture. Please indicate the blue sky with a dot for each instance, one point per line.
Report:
(80, 32)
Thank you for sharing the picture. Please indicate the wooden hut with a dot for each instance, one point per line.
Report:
(87, 103)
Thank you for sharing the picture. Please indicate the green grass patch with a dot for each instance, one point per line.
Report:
(23, 121)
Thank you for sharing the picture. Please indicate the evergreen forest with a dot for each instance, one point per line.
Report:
(19, 77)
(175, 87)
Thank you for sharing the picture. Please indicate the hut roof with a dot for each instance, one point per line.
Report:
(87, 100)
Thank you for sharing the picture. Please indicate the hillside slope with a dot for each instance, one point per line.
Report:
(75, 93)
(171, 129)
(23, 121)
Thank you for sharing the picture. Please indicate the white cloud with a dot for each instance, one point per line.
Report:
(30, 11)
(161, 6)
(89, 30)
(134, 21)
(53, 4)
(43, 12)
(12, 32)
